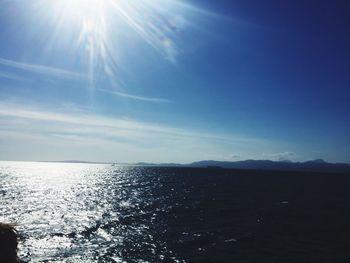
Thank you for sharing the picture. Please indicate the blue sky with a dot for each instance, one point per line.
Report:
(174, 81)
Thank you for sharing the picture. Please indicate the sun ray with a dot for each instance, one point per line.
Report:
(91, 32)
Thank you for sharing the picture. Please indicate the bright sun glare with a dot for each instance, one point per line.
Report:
(81, 8)
(94, 26)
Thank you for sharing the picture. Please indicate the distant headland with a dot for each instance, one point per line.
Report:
(317, 165)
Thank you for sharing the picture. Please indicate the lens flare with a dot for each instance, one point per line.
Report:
(94, 23)
(96, 36)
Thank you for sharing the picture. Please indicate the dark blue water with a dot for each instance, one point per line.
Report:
(104, 213)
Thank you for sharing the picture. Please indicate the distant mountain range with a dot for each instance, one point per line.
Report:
(317, 165)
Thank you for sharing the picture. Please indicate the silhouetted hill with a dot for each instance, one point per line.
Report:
(317, 165)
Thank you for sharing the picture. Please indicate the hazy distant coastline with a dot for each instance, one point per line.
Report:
(318, 165)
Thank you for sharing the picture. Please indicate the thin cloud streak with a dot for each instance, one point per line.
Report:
(61, 133)
(110, 125)
(8, 75)
(42, 69)
(282, 156)
(135, 97)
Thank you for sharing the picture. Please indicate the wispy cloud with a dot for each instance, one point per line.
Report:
(136, 97)
(85, 121)
(61, 73)
(8, 75)
(281, 156)
(75, 130)
(42, 69)
(235, 156)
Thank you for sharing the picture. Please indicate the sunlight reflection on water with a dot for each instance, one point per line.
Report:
(82, 212)
(105, 213)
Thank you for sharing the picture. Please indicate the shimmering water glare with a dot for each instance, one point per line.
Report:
(105, 213)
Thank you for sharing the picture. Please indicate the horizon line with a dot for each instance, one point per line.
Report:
(174, 163)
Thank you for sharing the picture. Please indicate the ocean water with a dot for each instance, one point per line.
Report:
(105, 213)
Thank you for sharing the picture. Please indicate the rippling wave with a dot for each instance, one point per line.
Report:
(105, 213)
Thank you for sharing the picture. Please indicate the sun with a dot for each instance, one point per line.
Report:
(87, 19)
(79, 14)
(82, 8)
(96, 32)
(157, 22)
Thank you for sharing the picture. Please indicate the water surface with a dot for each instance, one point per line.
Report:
(105, 213)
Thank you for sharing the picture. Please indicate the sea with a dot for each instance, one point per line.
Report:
(69, 212)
